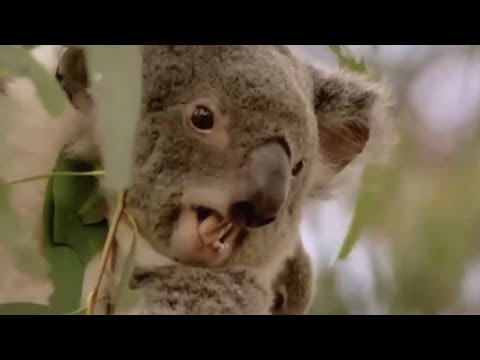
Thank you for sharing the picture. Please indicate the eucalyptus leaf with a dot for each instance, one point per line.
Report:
(48, 214)
(26, 309)
(347, 60)
(94, 210)
(16, 61)
(14, 235)
(369, 197)
(375, 177)
(70, 244)
(66, 269)
(379, 182)
(70, 195)
(115, 72)
(67, 273)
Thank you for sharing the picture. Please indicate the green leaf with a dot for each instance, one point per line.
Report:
(94, 210)
(65, 266)
(48, 214)
(116, 76)
(70, 243)
(347, 60)
(26, 309)
(67, 274)
(70, 195)
(16, 61)
(14, 235)
(378, 183)
(374, 178)
(370, 193)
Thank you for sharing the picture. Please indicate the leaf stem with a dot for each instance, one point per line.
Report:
(92, 298)
(82, 309)
(76, 312)
(98, 173)
(128, 265)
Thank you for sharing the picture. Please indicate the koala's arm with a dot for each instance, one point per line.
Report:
(182, 290)
(294, 287)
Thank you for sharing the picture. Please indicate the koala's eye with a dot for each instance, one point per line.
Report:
(202, 119)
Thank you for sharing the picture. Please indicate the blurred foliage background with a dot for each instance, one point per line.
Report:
(413, 219)
(44, 253)
(408, 226)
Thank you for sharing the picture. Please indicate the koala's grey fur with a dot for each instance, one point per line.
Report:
(294, 287)
(265, 92)
(177, 290)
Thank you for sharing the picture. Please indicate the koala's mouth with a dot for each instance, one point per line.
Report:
(204, 237)
(215, 230)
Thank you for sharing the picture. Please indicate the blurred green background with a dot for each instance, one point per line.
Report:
(415, 217)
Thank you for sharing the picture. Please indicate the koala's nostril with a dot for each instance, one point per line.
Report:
(244, 214)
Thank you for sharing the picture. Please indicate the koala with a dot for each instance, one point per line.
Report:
(292, 128)
(243, 135)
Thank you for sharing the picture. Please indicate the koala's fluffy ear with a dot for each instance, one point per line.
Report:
(347, 107)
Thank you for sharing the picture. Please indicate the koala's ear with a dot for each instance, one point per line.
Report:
(347, 108)
(344, 105)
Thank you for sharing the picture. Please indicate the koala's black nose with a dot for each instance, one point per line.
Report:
(266, 186)
(246, 214)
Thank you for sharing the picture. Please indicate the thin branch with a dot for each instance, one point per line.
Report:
(97, 173)
(92, 298)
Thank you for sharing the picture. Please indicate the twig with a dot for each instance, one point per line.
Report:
(81, 310)
(60, 173)
(106, 252)
(128, 265)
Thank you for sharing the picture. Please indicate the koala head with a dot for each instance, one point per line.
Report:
(244, 132)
